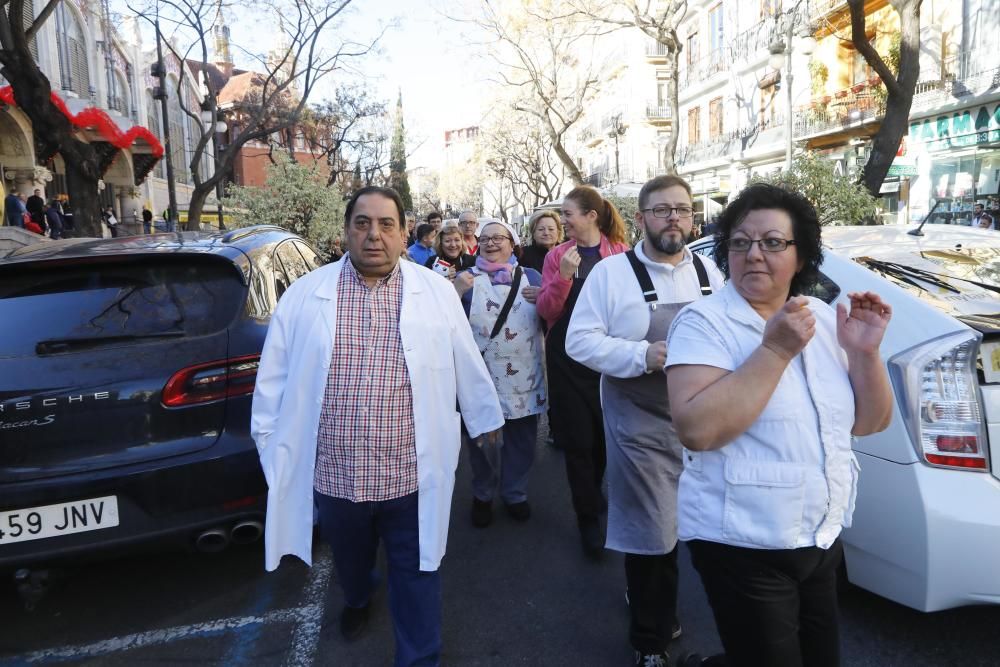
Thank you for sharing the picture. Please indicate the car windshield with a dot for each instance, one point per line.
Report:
(956, 280)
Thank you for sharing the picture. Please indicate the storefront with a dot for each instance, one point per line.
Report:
(957, 157)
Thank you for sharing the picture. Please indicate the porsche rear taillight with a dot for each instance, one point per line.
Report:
(213, 381)
(938, 391)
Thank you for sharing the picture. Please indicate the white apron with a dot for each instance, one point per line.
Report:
(514, 357)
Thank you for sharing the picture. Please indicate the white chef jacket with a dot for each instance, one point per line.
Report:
(443, 363)
(608, 327)
(790, 480)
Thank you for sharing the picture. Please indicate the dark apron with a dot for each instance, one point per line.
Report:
(644, 453)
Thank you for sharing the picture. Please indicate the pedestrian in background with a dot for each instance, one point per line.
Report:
(545, 233)
(619, 329)
(355, 407)
(147, 220)
(449, 253)
(14, 210)
(434, 219)
(766, 389)
(597, 231)
(468, 222)
(508, 332)
(53, 220)
(108, 216)
(422, 250)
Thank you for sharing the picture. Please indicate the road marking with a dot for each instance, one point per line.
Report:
(308, 619)
(305, 638)
(164, 636)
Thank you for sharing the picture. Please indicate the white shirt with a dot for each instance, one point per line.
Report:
(608, 327)
(789, 480)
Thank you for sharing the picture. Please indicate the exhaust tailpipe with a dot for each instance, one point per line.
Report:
(245, 532)
(212, 541)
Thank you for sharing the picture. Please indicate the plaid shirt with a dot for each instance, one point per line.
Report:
(366, 447)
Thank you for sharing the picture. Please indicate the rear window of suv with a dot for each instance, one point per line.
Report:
(49, 309)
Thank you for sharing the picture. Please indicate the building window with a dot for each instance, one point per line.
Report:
(769, 8)
(154, 125)
(661, 94)
(694, 125)
(715, 118)
(715, 29)
(178, 152)
(74, 67)
(767, 99)
(692, 49)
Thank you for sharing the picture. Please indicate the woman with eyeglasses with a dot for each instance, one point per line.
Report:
(597, 230)
(449, 256)
(508, 331)
(767, 386)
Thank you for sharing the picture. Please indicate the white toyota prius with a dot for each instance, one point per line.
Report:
(926, 529)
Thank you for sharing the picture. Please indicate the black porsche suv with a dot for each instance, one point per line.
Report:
(127, 369)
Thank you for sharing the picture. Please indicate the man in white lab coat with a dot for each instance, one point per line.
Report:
(355, 406)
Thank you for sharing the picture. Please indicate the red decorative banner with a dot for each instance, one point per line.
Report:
(92, 117)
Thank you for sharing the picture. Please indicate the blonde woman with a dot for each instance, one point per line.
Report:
(449, 253)
(545, 230)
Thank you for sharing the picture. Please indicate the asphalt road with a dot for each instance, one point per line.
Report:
(514, 594)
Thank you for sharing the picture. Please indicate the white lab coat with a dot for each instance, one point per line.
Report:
(443, 362)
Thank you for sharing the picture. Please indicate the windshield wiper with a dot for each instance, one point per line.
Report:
(58, 345)
(921, 273)
(905, 273)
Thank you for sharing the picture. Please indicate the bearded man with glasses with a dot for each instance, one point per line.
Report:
(619, 329)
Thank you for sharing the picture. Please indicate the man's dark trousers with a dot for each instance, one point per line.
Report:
(353, 531)
(652, 598)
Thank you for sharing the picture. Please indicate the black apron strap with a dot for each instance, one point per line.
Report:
(699, 267)
(508, 304)
(642, 275)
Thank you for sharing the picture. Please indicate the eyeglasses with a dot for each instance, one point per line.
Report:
(496, 240)
(769, 244)
(664, 211)
(466, 222)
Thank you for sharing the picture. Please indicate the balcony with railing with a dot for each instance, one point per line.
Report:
(961, 75)
(820, 8)
(657, 113)
(656, 52)
(754, 41)
(850, 107)
(704, 68)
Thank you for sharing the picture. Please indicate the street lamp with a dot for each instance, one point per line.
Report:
(618, 129)
(219, 128)
(782, 51)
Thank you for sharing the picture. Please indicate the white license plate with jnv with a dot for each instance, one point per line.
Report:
(36, 523)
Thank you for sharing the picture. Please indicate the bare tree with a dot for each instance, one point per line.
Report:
(335, 131)
(524, 167)
(53, 132)
(281, 83)
(551, 62)
(899, 86)
(658, 20)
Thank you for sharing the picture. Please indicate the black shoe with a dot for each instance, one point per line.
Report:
(592, 539)
(353, 621)
(698, 660)
(651, 659)
(519, 511)
(482, 513)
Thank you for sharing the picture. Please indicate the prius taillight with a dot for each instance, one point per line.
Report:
(212, 381)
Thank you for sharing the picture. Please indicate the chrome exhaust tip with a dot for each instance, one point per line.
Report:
(246, 532)
(212, 541)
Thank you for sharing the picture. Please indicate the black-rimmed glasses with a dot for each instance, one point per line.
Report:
(664, 211)
(770, 244)
(496, 240)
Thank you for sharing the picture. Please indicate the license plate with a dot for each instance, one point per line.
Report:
(36, 523)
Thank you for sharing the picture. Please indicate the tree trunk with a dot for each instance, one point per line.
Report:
(564, 157)
(55, 134)
(672, 94)
(886, 141)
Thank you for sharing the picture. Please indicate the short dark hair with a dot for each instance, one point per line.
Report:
(388, 193)
(434, 214)
(661, 182)
(423, 230)
(805, 229)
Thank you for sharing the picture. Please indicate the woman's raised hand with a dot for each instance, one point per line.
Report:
(860, 330)
(790, 329)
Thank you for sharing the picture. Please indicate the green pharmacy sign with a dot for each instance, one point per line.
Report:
(968, 127)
